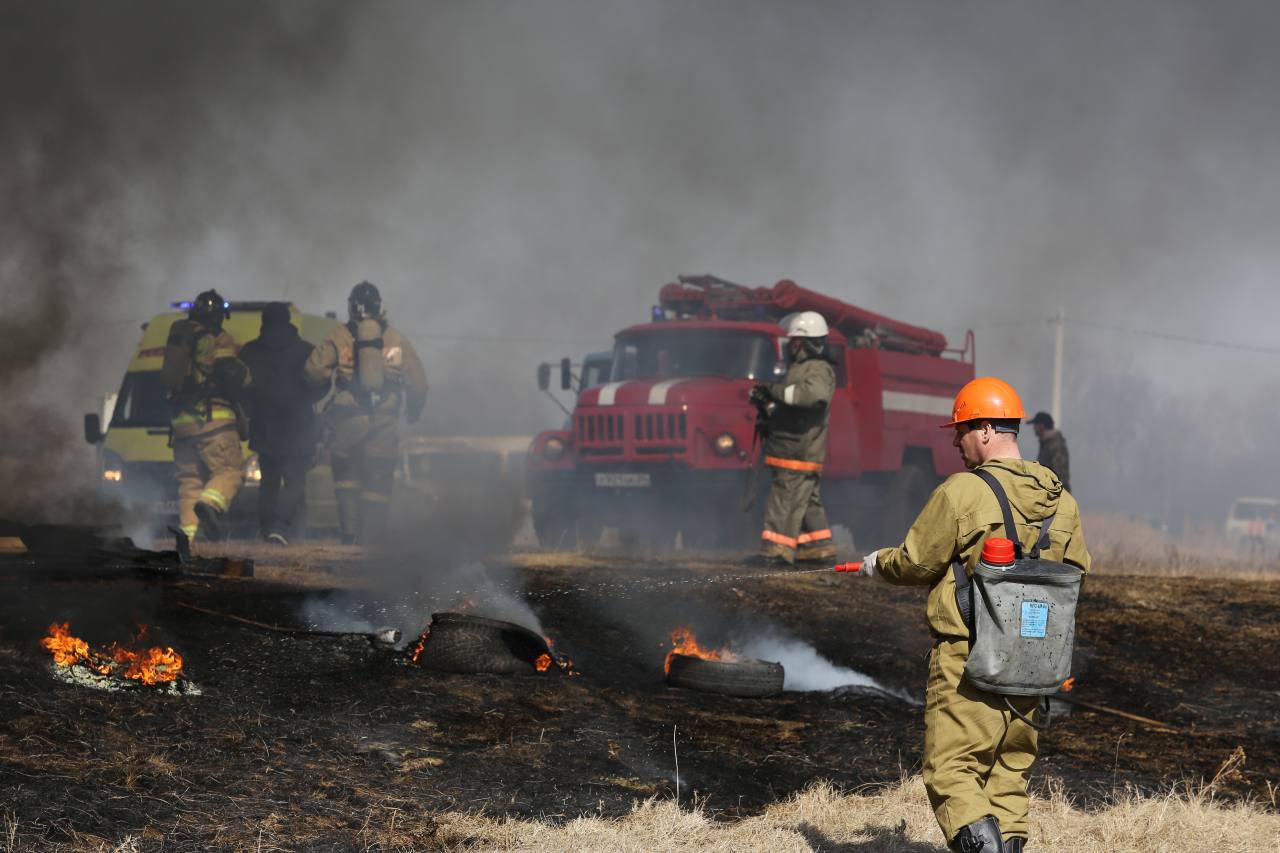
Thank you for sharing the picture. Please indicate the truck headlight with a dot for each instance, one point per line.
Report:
(724, 444)
(112, 468)
(252, 470)
(553, 449)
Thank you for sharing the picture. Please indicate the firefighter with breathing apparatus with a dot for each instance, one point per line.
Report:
(1003, 623)
(205, 380)
(376, 374)
(795, 523)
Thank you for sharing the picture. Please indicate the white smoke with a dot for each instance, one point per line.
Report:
(496, 602)
(805, 669)
(471, 588)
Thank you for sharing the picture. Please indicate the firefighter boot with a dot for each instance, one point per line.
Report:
(981, 836)
(822, 551)
(210, 521)
(1014, 844)
(773, 555)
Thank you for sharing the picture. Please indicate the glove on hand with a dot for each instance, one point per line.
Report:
(869, 564)
(760, 394)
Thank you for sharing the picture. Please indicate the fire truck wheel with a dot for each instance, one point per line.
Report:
(748, 677)
(460, 642)
(561, 526)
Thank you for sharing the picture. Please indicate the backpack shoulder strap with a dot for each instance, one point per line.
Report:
(1010, 530)
(1043, 541)
(964, 594)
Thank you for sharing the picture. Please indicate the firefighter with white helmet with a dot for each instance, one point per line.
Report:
(204, 380)
(376, 375)
(979, 746)
(795, 523)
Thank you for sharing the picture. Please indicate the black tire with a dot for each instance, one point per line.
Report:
(748, 677)
(460, 642)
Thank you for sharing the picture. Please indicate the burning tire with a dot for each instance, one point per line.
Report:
(459, 642)
(747, 677)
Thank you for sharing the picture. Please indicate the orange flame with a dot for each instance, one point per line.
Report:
(421, 644)
(685, 642)
(1068, 685)
(543, 662)
(156, 665)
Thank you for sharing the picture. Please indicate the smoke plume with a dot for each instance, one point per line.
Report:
(520, 179)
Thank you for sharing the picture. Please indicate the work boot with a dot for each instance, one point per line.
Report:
(1014, 844)
(210, 522)
(981, 836)
(818, 552)
(767, 561)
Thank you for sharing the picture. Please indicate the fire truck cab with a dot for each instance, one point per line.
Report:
(669, 442)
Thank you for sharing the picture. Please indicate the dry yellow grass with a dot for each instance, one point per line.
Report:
(1120, 545)
(896, 820)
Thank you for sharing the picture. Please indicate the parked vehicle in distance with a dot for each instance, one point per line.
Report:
(1254, 523)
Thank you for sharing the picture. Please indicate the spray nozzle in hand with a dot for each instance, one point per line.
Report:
(852, 568)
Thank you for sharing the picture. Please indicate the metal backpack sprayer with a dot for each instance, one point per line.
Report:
(1020, 611)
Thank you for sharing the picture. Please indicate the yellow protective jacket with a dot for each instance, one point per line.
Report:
(406, 380)
(798, 426)
(959, 516)
(197, 405)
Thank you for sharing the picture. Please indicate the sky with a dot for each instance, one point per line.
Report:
(519, 179)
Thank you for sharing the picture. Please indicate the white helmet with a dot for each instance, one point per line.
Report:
(806, 324)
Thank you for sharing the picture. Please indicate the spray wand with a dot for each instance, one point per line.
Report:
(854, 568)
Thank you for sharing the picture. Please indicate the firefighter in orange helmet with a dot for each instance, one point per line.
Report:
(977, 754)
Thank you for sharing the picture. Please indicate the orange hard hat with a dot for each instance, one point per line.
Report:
(988, 398)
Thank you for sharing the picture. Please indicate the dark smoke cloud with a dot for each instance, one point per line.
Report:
(520, 178)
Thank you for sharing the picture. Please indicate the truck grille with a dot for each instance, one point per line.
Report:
(649, 432)
(600, 429)
(667, 427)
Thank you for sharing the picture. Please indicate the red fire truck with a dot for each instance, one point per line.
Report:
(668, 444)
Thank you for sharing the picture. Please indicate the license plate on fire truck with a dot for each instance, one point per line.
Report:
(622, 480)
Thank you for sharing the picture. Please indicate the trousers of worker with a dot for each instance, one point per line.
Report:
(977, 753)
(795, 522)
(363, 451)
(209, 471)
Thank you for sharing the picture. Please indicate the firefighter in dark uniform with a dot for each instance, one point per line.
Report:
(376, 375)
(977, 753)
(1053, 448)
(795, 523)
(205, 379)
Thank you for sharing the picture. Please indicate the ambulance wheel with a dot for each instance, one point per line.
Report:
(748, 677)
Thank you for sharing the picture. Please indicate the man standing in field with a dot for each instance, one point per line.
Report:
(977, 751)
(1053, 448)
(795, 522)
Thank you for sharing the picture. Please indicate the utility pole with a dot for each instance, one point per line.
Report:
(1057, 322)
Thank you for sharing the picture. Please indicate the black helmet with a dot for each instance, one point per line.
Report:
(210, 309)
(364, 302)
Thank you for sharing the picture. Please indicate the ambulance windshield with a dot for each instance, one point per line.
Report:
(142, 401)
(695, 352)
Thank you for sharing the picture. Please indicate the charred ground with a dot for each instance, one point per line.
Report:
(313, 740)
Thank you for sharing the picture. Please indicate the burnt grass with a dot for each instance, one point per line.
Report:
(330, 743)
